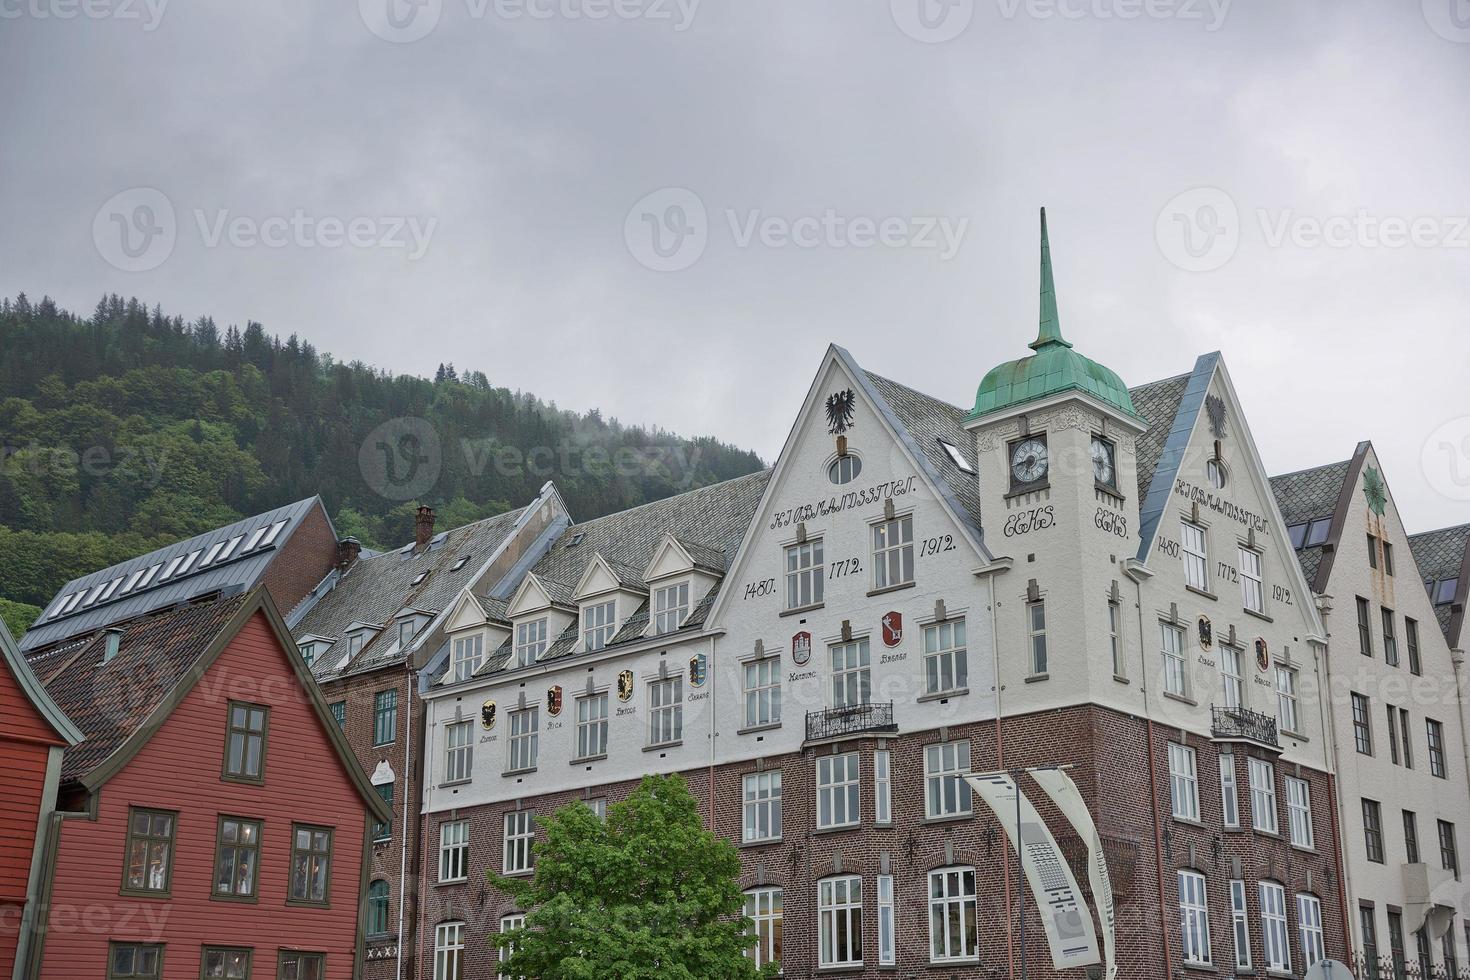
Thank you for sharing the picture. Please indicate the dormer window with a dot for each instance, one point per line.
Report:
(308, 652)
(530, 641)
(356, 641)
(407, 630)
(469, 653)
(670, 608)
(599, 623)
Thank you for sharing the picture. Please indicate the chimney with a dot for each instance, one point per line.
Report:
(347, 551)
(423, 528)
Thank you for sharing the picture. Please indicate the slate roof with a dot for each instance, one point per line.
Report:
(1157, 403)
(929, 419)
(108, 702)
(1309, 495)
(376, 588)
(1442, 555)
(240, 572)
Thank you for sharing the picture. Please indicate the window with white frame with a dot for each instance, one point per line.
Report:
(1262, 777)
(1196, 556)
(1183, 782)
(1299, 812)
(850, 673)
(1229, 795)
(1036, 636)
(1115, 637)
(449, 951)
(1232, 678)
(666, 711)
(1240, 926)
(840, 920)
(1286, 700)
(670, 607)
(882, 788)
(1275, 941)
(952, 926)
(454, 850)
(530, 641)
(945, 662)
(509, 923)
(1194, 918)
(1171, 646)
(763, 908)
(887, 953)
(805, 570)
(946, 794)
(459, 747)
(762, 692)
(838, 791)
(762, 806)
(592, 726)
(520, 832)
(598, 806)
(524, 739)
(893, 552)
(599, 623)
(1252, 590)
(1309, 925)
(468, 654)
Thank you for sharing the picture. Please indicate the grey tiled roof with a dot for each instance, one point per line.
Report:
(376, 588)
(1157, 403)
(1309, 494)
(1441, 555)
(929, 419)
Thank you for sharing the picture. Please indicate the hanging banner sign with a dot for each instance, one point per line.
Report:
(1068, 799)
(1064, 913)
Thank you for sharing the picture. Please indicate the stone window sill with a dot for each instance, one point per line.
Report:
(803, 609)
(943, 695)
(890, 588)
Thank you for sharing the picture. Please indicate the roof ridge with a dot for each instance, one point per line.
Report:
(1441, 530)
(899, 384)
(1173, 377)
(1310, 469)
(665, 500)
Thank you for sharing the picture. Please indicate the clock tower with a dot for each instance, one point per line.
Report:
(1056, 436)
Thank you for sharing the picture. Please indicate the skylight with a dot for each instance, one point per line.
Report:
(171, 567)
(111, 588)
(419, 578)
(273, 533)
(188, 561)
(1309, 534)
(255, 537)
(132, 581)
(955, 457)
(209, 555)
(148, 577)
(230, 548)
(460, 563)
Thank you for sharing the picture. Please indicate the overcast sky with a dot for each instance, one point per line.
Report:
(608, 210)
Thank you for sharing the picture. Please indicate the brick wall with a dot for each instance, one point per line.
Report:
(303, 561)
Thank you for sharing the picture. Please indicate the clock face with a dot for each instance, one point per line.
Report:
(1103, 470)
(1028, 461)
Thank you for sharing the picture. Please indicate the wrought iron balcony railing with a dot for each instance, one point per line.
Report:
(853, 719)
(1244, 723)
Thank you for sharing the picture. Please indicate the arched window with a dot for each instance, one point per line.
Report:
(377, 909)
(844, 469)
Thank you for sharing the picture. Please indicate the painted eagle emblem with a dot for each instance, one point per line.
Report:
(839, 411)
(1215, 409)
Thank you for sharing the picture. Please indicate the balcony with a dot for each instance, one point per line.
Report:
(855, 719)
(1244, 725)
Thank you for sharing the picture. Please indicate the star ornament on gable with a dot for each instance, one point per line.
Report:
(1375, 490)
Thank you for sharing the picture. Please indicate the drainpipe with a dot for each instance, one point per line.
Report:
(1322, 658)
(714, 704)
(403, 828)
(1457, 660)
(1153, 777)
(1005, 857)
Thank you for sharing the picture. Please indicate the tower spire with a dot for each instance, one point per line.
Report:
(1050, 333)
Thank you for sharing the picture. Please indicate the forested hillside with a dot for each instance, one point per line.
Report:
(129, 428)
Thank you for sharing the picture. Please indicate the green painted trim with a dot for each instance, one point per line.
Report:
(215, 895)
(359, 955)
(206, 949)
(35, 691)
(325, 902)
(168, 875)
(281, 955)
(265, 730)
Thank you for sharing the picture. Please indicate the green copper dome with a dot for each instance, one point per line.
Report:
(1054, 368)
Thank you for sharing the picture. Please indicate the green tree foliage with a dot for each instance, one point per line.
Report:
(18, 616)
(648, 895)
(130, 429)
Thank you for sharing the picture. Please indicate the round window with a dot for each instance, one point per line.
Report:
(844, 469)
(1215, 471)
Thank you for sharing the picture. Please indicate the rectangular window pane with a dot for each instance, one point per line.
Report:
(311, 864)
(805, 570)
(150, 850)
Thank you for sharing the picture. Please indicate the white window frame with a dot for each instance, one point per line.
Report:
(882, 787)
(459, 751)
(1288, 708)
(1115, 637)
(670, 607)
(839, 788)
(1252, 581)
(1309, 929)
(508, 923)
(1232, 676)
(523, 739)
(1036, 648)
(469, 653)
(1194, 918)
(851, 672)
(599, 624)
(1171, 649)
(592, 710)
(1183, 782)
(1194, 542)
(887, 952)
(840, 920)
(1262, 776)
(666, 711)
(946, 662)
(953, 890)
(519, 836)
(1275, 936)
(893, 552)
(806, 572)
(764, 907)
(1299, 812)
(454, 851)
(449, 951)
(762, 682)
(530, 641)
(946, 794)
(761, 806)
(1229, 792)
(1240, 925)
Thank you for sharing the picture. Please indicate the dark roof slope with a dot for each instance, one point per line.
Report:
(1443, 555)
(1157, 403)
(1309, 495)
(928, 420)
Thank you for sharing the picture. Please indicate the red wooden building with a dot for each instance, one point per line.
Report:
(33, 734)
(213, 823)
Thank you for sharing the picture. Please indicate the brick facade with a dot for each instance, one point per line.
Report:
(303, 561)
